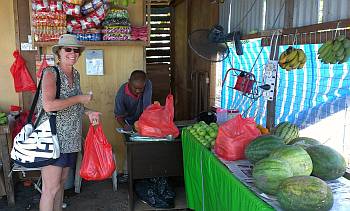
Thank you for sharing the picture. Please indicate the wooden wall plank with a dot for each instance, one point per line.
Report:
(203, 15)
(8, 95)
(22, 31)
(180, 74)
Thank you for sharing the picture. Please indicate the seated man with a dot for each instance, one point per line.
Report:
(132, 98)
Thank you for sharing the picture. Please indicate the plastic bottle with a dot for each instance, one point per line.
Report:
(221, 115)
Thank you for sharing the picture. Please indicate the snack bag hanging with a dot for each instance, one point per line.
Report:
(21, 77)
(98, 162)
(157, 121)
(233, 137)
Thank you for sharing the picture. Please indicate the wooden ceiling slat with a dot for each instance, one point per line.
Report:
(162, 25)
(167, 38)
(160, 18)
(159, 45)
(158, 52)
(157, 60)
(160, 31)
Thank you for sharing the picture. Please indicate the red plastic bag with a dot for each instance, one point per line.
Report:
(20, 122)
(233, 137)
(21, 77)
(43, 65)
(157, 121)
(98, 162)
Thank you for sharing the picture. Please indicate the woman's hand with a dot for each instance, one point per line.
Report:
(94, 117)
(84, 99)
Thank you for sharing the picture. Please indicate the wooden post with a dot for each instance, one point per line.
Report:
(271, 105)
(4, 155)
(288, 23)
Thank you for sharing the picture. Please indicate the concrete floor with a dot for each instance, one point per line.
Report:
(94, 196)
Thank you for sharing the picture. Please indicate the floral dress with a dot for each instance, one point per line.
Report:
(68, 120)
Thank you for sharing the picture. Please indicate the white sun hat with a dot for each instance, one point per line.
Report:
(67, 40)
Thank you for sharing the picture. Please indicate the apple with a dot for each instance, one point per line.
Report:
(213, 134)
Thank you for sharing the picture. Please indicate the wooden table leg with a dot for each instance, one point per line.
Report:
(130, 178)
(4, 136)
(77, 178)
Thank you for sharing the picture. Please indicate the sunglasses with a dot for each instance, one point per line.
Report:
(76, 50)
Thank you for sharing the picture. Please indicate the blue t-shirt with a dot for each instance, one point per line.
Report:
(130, 107)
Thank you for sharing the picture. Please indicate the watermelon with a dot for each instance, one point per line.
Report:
(268, 173)
(305, 193)
(298, 159)
(328, 164)
(304, 142)
(287, 131)
(262, 146)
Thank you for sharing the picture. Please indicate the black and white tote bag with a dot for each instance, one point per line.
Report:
(37, 145)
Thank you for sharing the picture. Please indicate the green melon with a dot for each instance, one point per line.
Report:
(304, 142)
(287, 131)
(305, 193)
(262, 146)
(298, 159)
(328, 164)
(268, 173)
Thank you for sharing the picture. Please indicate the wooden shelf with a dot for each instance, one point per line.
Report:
(99, 43)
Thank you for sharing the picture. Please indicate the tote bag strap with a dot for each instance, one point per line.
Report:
(35, 100)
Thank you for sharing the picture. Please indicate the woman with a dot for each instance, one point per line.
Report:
(70, 109)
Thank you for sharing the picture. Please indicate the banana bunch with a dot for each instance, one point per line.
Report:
(335, 51)
(292, 58)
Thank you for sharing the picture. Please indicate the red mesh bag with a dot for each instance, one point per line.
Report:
(157, 121)
(98, 162)
(21, 77)
(233, 137)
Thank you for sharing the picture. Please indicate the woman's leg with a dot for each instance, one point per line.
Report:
(51, 177)
(59, 195)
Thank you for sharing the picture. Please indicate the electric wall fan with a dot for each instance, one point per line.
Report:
(211, 44)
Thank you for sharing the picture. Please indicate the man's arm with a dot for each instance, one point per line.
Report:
(147, 94)
(119, 108)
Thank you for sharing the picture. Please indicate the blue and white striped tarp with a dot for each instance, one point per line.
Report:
(303, 96)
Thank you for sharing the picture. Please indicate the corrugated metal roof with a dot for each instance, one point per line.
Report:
(234, 15)
(305, 13)
(335, 10)
(273, 7)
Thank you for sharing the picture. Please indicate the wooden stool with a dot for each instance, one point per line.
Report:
(6, 167)
(77, 180)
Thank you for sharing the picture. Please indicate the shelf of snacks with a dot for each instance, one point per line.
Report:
(95, 23)
(100, 43)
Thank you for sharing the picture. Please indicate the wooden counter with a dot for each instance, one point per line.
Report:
(152, 159)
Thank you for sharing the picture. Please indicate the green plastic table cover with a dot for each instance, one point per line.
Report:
(210, 186)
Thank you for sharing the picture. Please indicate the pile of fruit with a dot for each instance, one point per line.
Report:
(335, 51)
(292, 58)
(283, 163)
(204, 133)
(3, 118)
